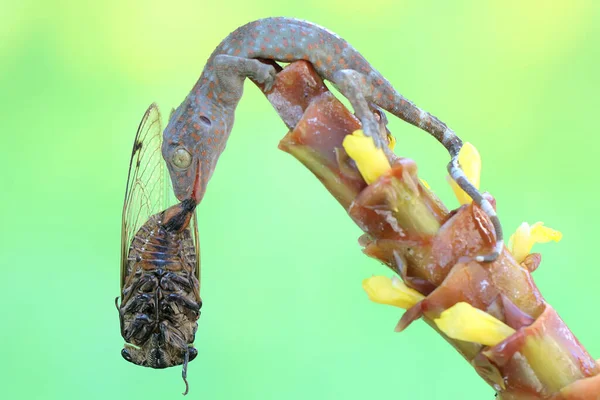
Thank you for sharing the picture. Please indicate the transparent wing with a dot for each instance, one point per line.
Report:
(147, 185)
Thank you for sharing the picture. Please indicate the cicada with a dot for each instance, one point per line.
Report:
(160, 261)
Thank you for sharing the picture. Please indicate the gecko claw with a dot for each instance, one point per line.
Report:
(265, 76)
(371, 129)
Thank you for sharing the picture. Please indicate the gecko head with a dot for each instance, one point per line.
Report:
(182, 151)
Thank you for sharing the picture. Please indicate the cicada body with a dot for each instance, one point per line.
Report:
(160, 288)
(160, 302)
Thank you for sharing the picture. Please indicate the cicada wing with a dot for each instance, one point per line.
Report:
(147, 185)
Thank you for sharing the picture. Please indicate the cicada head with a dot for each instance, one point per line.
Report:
(177, 217)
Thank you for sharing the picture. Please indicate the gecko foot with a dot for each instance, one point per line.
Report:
(372, 129)
(265, 75)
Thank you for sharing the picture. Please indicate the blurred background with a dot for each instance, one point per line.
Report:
(284, 314)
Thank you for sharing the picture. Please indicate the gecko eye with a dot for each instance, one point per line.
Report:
(181, 158)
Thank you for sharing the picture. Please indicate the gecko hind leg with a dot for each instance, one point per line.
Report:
(353, 86)
(233, 70)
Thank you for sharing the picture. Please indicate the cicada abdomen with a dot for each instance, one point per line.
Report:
(160, 299)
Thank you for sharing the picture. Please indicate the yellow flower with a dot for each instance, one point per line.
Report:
(464, 322)
(470, 163)
(371, 161)
(521, 242)
(393, 292)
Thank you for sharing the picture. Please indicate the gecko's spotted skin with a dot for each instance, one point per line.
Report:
(199, 128)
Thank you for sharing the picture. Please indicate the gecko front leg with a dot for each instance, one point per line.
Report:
(231, 72)
(198, 130)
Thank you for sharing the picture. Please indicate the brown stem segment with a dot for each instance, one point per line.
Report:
(408, 229)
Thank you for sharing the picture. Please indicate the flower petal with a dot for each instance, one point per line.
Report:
(522, 241)
(464, 322)
(543, 234)
(393, 292)
(370, 160)
(470, 162)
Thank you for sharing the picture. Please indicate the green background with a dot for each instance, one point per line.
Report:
(284, 314)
